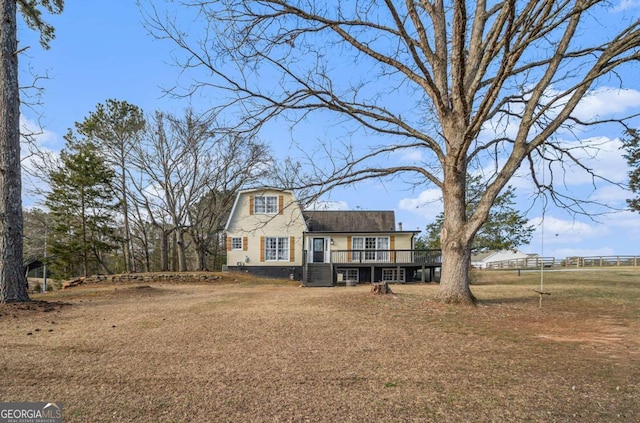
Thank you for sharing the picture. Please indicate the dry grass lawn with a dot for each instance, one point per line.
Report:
(270, 351)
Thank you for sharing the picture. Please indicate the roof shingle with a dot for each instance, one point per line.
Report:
(350, 221)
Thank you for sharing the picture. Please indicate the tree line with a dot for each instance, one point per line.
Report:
(136, 193)
(131, 192)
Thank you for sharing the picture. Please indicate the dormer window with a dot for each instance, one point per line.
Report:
(265, 204)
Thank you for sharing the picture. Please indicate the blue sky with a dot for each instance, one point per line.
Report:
(102, 51)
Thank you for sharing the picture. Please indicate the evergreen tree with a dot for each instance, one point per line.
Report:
(632, 145)
(505, 228)
(116, 127)
(83, 207)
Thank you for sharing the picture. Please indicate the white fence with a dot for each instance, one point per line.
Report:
(602, 261)
(577, 262)
(523, 263)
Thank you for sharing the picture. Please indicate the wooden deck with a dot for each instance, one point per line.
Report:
(372, 265)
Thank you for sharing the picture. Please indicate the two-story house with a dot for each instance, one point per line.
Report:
(269, 234)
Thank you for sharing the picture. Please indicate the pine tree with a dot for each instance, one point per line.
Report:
(13, 284)
(83, 206)
(116, 127)
(632, 145)
(505, 228)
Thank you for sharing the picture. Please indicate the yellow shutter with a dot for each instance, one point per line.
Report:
(261, 248)
(280, 204)
(292, 250)
(250, 204)
(349, 253)
(245, 243)
(228, 243)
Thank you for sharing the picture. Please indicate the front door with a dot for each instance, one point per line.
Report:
(318, 250)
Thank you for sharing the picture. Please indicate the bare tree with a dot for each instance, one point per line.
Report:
(187, 175)
(190, 173)
(430, 76)
(233, 161)
(162, 174)
(12, 278)
(141, 233)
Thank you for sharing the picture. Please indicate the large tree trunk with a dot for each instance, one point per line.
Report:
(201, 256)
(13, 283)
(455, 239)
(454, 277)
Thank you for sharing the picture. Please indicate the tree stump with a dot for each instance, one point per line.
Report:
(380, 288)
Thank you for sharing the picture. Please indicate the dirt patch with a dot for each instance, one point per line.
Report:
(136, 289)
(601, 334)
(16, 310)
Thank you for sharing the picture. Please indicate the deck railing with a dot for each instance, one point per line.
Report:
(418, 257)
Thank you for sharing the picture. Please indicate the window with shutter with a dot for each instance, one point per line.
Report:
(265, 204)
(276, 249)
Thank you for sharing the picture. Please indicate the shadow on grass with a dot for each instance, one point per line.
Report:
(533, 299)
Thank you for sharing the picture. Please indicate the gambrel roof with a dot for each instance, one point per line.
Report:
(254, 191)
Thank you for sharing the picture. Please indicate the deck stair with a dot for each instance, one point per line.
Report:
(319, 274)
